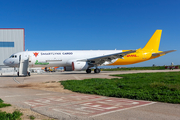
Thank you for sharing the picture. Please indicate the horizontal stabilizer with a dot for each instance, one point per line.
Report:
(162, 53)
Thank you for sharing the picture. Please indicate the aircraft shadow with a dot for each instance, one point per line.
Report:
(11, 76)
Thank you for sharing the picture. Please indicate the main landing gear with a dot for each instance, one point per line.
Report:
(88, 71)
(95, 70)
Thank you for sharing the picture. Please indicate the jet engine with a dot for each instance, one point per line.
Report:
(76, 66)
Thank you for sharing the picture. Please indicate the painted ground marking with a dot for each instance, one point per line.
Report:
(97, 105)
(14, 78)
(59, 100)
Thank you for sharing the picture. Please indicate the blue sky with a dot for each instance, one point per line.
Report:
(95, 24)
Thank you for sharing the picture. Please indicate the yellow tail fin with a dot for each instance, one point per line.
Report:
(153, 43)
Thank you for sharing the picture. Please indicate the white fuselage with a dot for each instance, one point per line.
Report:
(55, 58)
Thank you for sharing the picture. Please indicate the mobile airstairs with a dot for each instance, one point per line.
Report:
(23, 65)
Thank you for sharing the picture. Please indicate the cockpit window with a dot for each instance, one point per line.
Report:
(12, 56)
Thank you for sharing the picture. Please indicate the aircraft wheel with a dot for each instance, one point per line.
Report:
(18, 74)
(88, 71)
(96, 70)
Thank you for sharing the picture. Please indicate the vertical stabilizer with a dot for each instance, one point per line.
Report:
(154, 41)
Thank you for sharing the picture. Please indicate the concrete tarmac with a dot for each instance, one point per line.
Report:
(70, 105)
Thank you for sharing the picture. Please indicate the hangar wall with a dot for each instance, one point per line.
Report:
(11, 41)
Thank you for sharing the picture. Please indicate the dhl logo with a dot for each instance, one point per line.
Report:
(132, 55)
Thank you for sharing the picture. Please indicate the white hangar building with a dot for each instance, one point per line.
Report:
(11, 41)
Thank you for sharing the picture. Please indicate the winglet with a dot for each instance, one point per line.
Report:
(154, 41)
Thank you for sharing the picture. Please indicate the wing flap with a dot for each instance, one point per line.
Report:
(101, 59)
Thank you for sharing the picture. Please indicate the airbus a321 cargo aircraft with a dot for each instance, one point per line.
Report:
(85, 59)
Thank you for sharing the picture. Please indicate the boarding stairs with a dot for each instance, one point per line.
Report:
(24, 63)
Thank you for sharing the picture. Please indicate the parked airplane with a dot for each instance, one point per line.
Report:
(85, 59)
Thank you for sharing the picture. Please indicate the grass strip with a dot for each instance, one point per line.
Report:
(9, 116)
(137, 68)
(3, 104)
(162, 87)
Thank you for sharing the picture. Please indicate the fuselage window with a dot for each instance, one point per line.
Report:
(15, 56)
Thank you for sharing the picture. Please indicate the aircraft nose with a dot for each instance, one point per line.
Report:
(5, 62)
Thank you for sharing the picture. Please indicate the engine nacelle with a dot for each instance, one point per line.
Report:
(79, 66)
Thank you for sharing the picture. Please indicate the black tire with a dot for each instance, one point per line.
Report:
(96, 70)
(88, 71)
(18, 74)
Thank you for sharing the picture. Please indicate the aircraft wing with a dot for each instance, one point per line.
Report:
(162, 53)
(101, 59)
